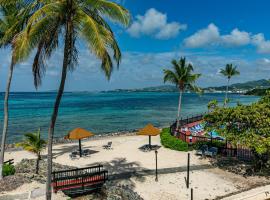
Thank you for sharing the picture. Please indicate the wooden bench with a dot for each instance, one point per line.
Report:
(79, 181)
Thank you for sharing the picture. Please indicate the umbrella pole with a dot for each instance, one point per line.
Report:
(150, 141)
(80, 147)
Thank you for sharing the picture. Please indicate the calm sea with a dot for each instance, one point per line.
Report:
(102, 112)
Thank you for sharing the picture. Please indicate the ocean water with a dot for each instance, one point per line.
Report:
(102, 112)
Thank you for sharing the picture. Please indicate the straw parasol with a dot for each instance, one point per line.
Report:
(149, 130)
(78, 134)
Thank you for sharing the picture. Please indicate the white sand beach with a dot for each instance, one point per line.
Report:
(138, 168)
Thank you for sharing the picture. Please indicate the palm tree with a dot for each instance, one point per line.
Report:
(229, 71)
(33, 143)
(70, 20)
(183, 78)
(11, 24)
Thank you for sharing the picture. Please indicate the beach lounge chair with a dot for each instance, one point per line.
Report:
(211, 152)
(201, 151)
(86, 152)
(108, 146)
(73, 155)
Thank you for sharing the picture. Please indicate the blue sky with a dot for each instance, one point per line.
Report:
(210, 33)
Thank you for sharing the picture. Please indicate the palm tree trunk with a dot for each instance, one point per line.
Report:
(226, 94)
(37, 164)
(66, 60)
(179, 108)
(5, 126)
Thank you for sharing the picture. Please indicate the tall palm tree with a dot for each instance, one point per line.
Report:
(70, 20)
(229, 71)
(11, 23)
(33, 143)
(183, 77)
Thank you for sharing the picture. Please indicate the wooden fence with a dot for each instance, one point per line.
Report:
(79, 180)
(240, 152)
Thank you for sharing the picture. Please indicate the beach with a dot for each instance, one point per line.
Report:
(137, 169)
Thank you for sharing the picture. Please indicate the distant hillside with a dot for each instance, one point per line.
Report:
(257, 92)
(243, 87)
(162, 88)
(250, 85)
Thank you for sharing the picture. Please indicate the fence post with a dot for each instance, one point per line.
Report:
(187, 178)
(191, 193)
(156, 152)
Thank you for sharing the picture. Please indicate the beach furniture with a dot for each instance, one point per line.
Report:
(201, 151)
(73, 155)
(79, 181)
(149, 130)
(79, 134)
(211, 152)
(108, 146)
(86, 152)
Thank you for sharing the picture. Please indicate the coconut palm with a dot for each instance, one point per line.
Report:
(11, 23)
(229, 71)
(70, 20)
(183, 77)
(34, 144)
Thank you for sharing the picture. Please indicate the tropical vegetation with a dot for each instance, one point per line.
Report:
(212, 105)
(34, 144)
(183, 77)
(229, 71)
(8, 170)
(171, 142)
(11, 23)
(245, 125)
(71, 20)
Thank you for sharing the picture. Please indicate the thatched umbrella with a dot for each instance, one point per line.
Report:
(149, 130)
(78, 134)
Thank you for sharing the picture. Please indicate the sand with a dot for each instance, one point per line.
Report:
(125, 157)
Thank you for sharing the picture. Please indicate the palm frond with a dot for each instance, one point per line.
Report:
(112, 10)
(170, 76)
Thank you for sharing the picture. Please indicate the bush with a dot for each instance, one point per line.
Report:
(8, 170)
(171, 142)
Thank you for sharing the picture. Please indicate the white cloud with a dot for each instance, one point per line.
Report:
(211, 36)
(155, 23)
(263, 46)
(203, 37)
(236, 38)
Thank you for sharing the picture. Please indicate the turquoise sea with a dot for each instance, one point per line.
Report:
(102, 112)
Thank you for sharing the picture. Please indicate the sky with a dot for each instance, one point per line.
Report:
(209, 33)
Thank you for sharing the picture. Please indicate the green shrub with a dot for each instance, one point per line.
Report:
(171, 142)
(8, 170)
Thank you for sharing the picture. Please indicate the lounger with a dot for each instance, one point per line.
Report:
(211, 152)
(86, 152)
(73, 155)
(201, 151)
(108, 146)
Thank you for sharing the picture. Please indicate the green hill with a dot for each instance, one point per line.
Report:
(257, 92)
(250, 85)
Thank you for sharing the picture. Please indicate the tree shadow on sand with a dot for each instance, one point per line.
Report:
(120, 171)
(69, 148)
